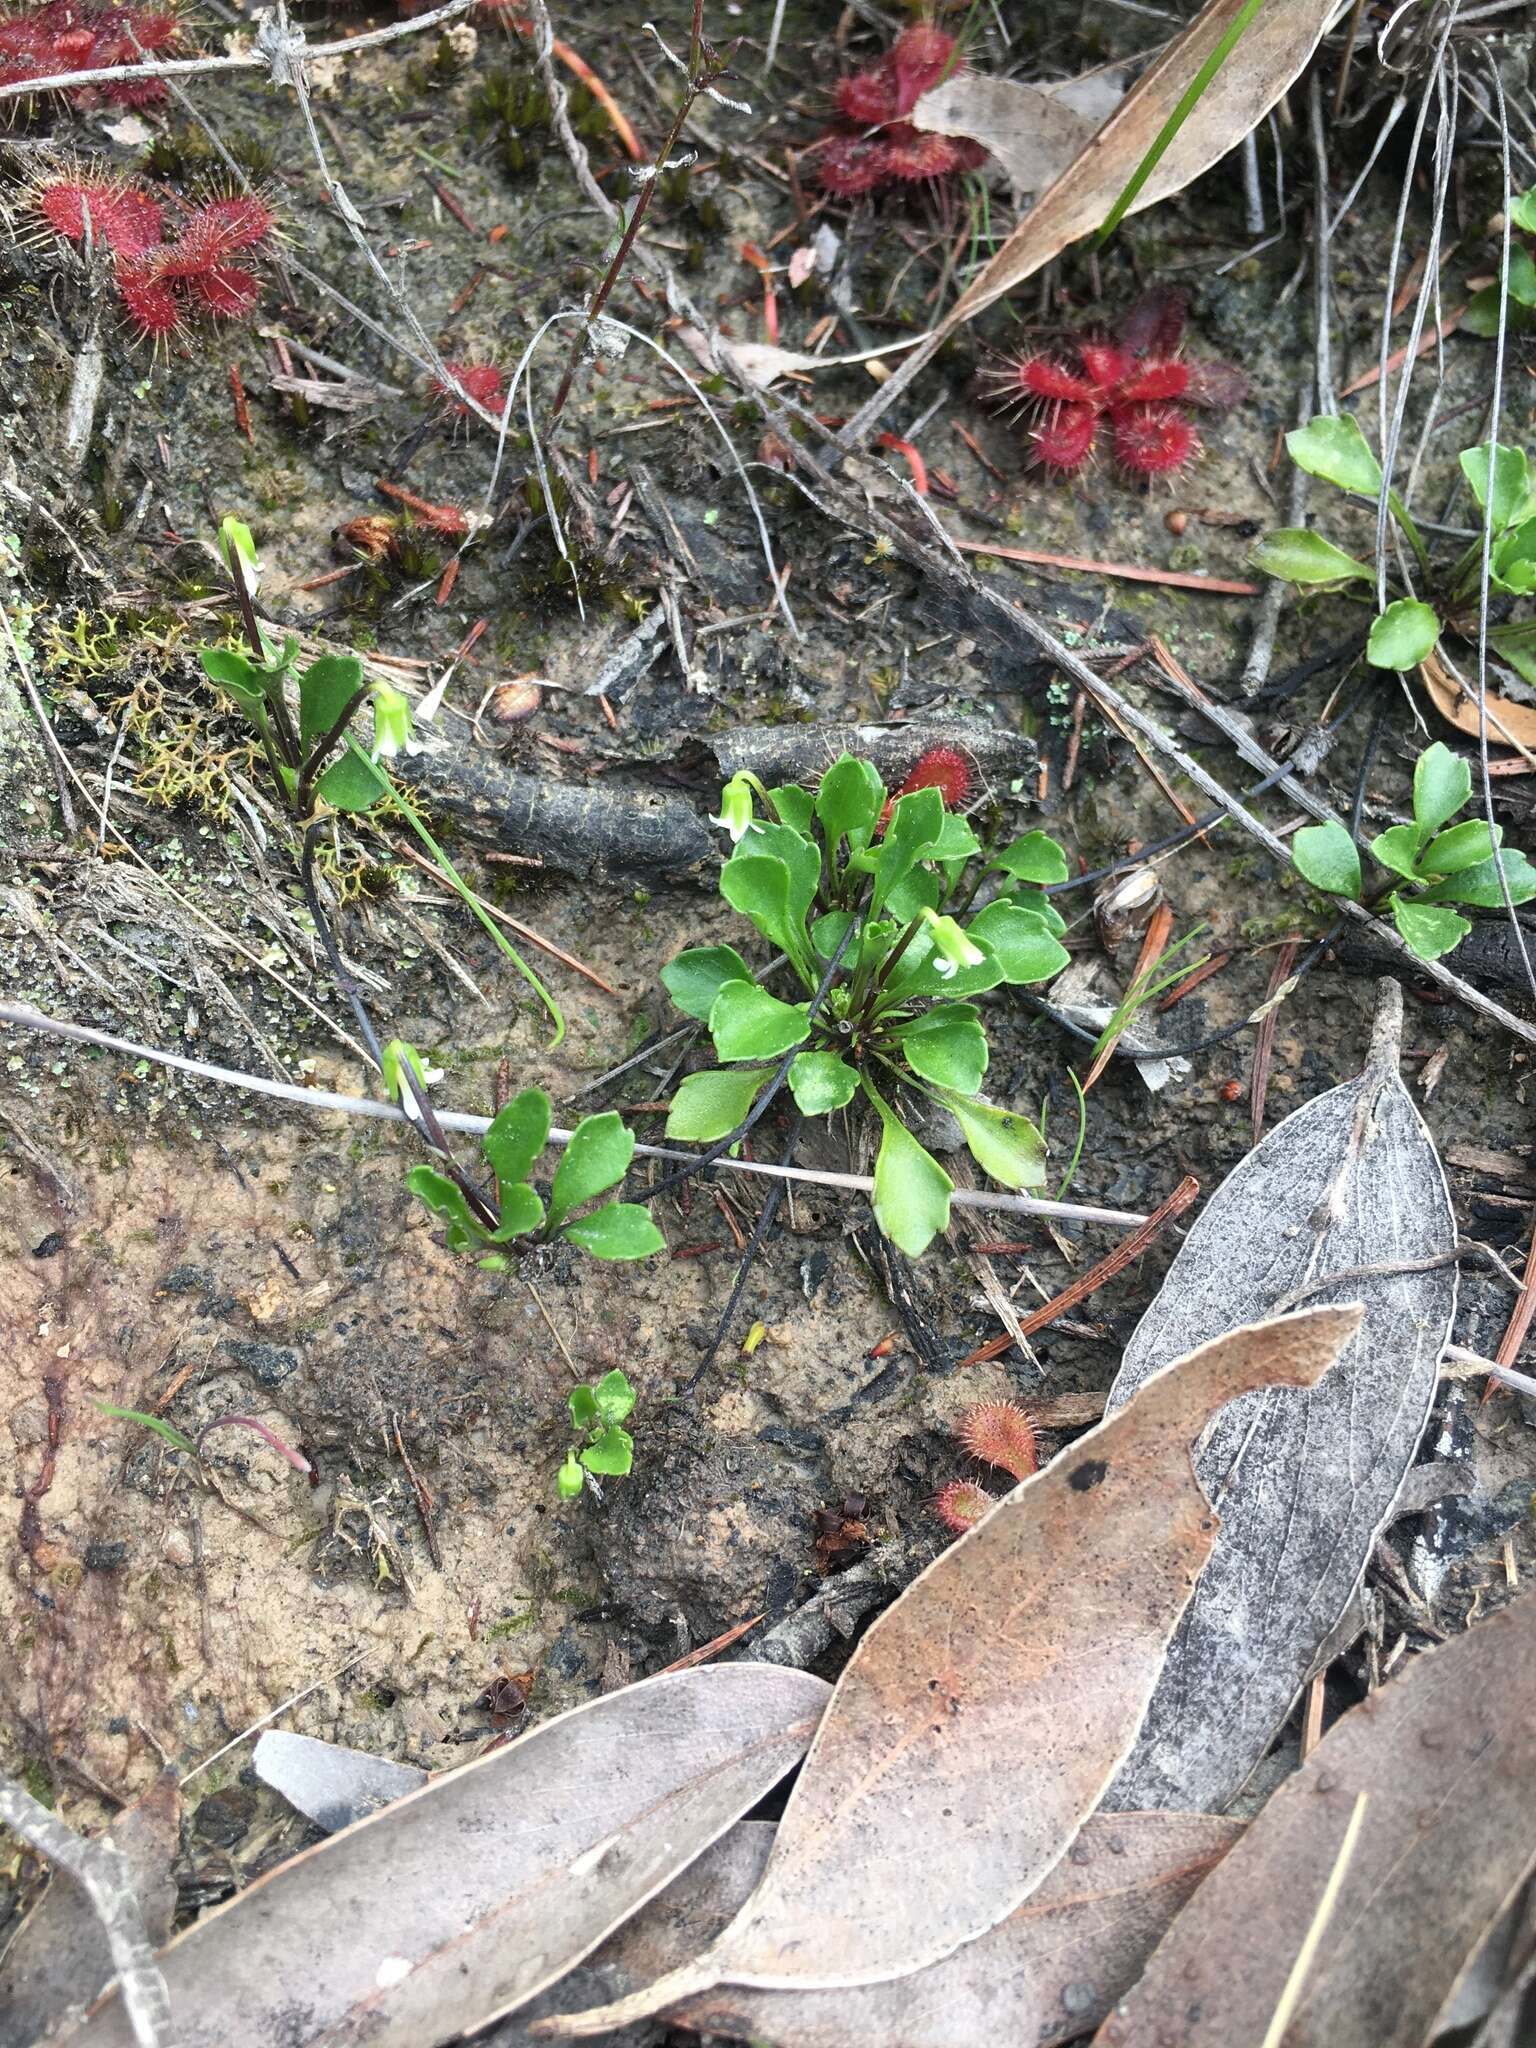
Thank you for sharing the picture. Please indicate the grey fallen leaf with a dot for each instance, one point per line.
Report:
(1421, 1802)
(763, 362)
(1303, 1480)
(60, 1960)
(329, 1784)
(1044, 1975)
(465, 1899)
(1033, 130)
(1035, 1639)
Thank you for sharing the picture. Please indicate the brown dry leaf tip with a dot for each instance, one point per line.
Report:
(1000, 1433)
(1054, 1614)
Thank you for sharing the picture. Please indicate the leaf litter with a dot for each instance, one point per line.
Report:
(462, 1901)
(1038, 1637)
(1436, 1773)
(1344, 1199)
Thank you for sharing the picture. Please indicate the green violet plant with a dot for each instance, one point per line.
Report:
(596, 1158)
(1437, 864)
(316, 755)
(1516, 284)
(869, 900)
(1409, 629)
(602, 1447)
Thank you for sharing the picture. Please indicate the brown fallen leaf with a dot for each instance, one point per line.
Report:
(1045, 1974)
(1268, 58)
(461, 1901)
(1509, 724)
(1444, 1760)
(1034, 131)
(981, 1718)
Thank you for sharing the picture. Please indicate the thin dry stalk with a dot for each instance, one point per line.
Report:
(23, 1015)
(1096, 1275)
(103, 1874)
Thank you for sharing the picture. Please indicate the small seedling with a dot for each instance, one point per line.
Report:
(316, 757)
(596, 1158)
(193, 1448)
(1437, 864)
(602, 1447)
(865, 897)
(1408, 631)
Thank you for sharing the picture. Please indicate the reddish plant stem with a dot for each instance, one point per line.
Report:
(696, 83)
(1096, 1275)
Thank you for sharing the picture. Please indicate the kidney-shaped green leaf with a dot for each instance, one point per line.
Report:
(710, 1105)
(948, 1046)
(1333, 448)
(1328, 858)
(596, 1159)
(1442, 783)
(747, 1023)
(821, 1082)
(696, 977)
(1403, 635)
(1511, 481)
(619, 1230)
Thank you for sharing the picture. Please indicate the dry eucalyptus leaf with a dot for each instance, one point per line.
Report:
(676, 1924)
(1510, 723)
(1045, 1974)
(1267, 59)
(1445, 1757)
(1303, 1481)
(329, 1784)
(763, 362)
(1034, 131)
(461, 1901)
(60, 1957)
(980, 1719)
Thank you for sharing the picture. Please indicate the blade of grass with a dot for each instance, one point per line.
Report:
(457, 883)
(172, 1435)
(1176, 120)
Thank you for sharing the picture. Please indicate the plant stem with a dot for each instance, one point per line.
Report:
(696, 84)
(892, 957)
(1414, 537)
(471, 901)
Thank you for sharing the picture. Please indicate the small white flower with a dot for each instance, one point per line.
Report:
(736, 809)
(391, 722)
(951, 948)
